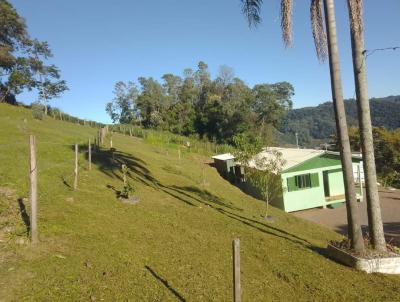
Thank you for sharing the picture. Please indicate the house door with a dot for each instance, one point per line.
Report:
(333, 183)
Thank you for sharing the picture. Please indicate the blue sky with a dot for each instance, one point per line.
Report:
(97, 43)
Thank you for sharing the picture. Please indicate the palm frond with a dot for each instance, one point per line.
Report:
(356, 8)
(318, 29)
(286, 21)
(251, 9)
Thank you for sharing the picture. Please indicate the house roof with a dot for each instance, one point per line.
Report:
(355, 155)
(291, 156)
(225, 156)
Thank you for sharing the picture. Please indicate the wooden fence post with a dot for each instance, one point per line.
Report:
(90, 155)
(179, 153)
(360, 182)
(203, 167)
(111, 143)
(101, 136)
(76, 168)
(33, 189)
(236, 270)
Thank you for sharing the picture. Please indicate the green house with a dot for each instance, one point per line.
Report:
(310, 178)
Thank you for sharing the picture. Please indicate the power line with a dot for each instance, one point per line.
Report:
(370, 52)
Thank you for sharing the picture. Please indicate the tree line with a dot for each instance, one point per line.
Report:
(195, 104)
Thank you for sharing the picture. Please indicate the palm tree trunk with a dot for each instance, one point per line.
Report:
(354, 229)
(364, 120)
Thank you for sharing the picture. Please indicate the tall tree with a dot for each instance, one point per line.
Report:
(226, 75)
(272, 101)
(22, 60)
(355, 8)
(252, 9)
(185, 110)
(14, 38)
(46, 78)
(172, 85)
(122, 108)
(341, 125)
(152, 102)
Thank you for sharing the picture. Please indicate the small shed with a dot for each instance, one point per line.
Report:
(310, 178)
(225, 164)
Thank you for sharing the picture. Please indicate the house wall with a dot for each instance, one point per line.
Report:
(223, 166)
(248, 188)
(314, 197)
(304, 198)
(220, 165)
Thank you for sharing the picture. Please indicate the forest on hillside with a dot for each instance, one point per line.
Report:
(197, 105)
(318, 123)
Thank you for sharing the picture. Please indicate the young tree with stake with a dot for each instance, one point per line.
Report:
(264, 174)
(261, 170)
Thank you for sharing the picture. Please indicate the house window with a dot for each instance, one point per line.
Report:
(303, 181)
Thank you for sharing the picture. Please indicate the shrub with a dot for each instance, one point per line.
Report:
(127, 191)
(128, 188)
(37, 111)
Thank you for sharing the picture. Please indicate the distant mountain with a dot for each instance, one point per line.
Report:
(318, 123)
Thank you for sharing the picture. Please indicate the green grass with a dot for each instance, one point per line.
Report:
(174, 245)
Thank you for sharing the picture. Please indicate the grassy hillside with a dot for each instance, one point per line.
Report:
(174, 245)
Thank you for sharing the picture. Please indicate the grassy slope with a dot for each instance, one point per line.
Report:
(175, 244)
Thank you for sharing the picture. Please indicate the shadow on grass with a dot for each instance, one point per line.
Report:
(206, 198)
(110, 161)
(24, 215)
(205, 195)
(268, 229)
(64, 181)
(166, 284)
(117, 192)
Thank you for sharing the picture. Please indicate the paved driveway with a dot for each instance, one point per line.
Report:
(336, 218)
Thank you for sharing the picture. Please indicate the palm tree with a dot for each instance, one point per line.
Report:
(355, 8)
(326, 44)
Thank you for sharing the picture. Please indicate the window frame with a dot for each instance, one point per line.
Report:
(303, 182)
